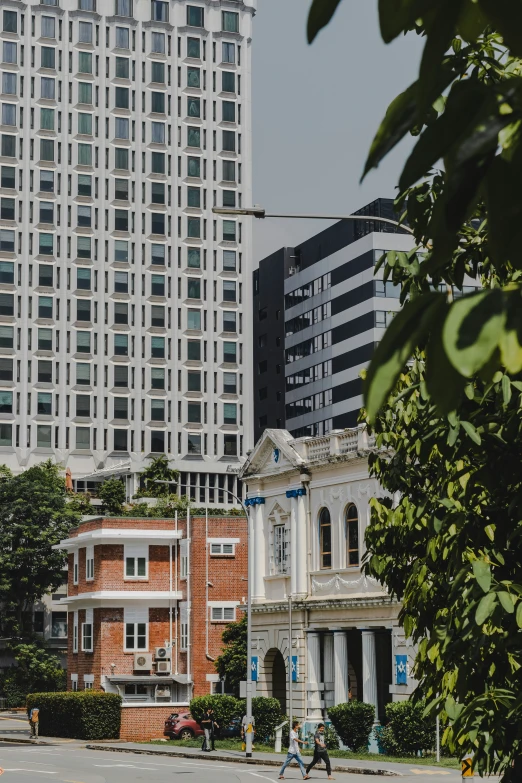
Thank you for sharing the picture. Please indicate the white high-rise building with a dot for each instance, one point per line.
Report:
(123, 326)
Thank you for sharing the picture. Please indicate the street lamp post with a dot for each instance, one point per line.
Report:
(259, 212)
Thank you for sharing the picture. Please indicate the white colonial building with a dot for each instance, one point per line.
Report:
(310, 504)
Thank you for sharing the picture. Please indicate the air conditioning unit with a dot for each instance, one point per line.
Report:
(142, 662)
(162, 667)
(162, 654)
(163, 691)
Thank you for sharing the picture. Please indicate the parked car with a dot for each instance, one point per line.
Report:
(181, 725)
(231, 730)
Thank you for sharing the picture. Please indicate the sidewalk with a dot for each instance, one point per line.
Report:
(360, 767)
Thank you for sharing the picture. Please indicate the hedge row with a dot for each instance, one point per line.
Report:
(266, 711)
(87, 715)
(407, 732)
(353, 723)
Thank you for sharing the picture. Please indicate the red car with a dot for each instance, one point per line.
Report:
(181, 725)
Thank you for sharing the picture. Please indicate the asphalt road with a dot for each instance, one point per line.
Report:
(73, 764)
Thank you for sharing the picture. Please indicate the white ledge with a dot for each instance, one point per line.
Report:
(107, 535)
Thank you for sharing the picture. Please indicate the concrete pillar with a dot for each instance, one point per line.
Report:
(340, 667)
(293, 546)
(369, 669)
(301, 575)
(329, 676)
(313, 643)
(259, 553)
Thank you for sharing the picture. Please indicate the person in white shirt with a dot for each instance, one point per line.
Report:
(293, 752)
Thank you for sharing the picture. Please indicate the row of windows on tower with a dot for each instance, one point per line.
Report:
(159, 13)
(118, 376)
(158, 72)
(86, 406)
(86, 343)
(124, 98)
(120, 440)
(124, 252)
(225, 351)
(159, 317)
(51, 151)
(119, 282)
(195, 48)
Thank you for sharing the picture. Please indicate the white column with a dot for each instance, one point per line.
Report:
(313, 644)
(369, 670)
(301, 576)
(340, 667)
(259, 553)
(329, 676)
(293, 546)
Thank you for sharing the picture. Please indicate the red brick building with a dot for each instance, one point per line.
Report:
(147, 603)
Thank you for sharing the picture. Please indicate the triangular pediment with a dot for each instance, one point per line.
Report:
(272, 454)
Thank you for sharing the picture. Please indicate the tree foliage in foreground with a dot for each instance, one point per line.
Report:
(34, 516)
(447, 539)
(466, 109)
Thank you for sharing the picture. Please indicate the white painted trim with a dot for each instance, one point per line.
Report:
(163, 705)
(223, 540)
(212, 677)
(87, 677)
(119, 536)
(225, 604)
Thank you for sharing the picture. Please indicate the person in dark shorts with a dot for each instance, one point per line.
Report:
(320, 752)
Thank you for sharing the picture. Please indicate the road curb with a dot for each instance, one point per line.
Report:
(235, 760)
(25, 741)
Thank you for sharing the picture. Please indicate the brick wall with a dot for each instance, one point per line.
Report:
(140, 724)
(227, 578)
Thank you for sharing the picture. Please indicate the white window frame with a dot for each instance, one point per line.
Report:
(88, 682)
(74, 682)
(183, 558)
(184, 626)
(218, 614)
(87, 631)
(75, 632)
(280, 549)
(89, 563)
(76, 568)
(135, 618)
(135, 552)
(222, 547)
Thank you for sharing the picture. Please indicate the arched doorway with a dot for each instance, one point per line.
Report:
(275, 672)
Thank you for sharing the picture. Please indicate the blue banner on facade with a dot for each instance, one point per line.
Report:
(295, 668)
(255, 660)
(401, 670)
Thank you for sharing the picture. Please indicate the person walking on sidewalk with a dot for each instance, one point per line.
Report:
(208, 724)
(34, 722)
(320, 752)
(293, 752)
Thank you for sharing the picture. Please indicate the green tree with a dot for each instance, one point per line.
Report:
(158, 470)
(232, 662)
(446, 540)
(36, 669)
(34, 516)
(81, 503)
(112, 494)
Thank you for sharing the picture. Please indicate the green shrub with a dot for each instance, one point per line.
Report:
(407, 732)
(225, 708)
(88, 715)
(353, 723)
(14, 694)
(267, 715)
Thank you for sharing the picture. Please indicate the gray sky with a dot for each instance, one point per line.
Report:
(315, 111)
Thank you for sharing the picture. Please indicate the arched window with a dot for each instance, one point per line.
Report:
(325, 538)
(352, 535)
